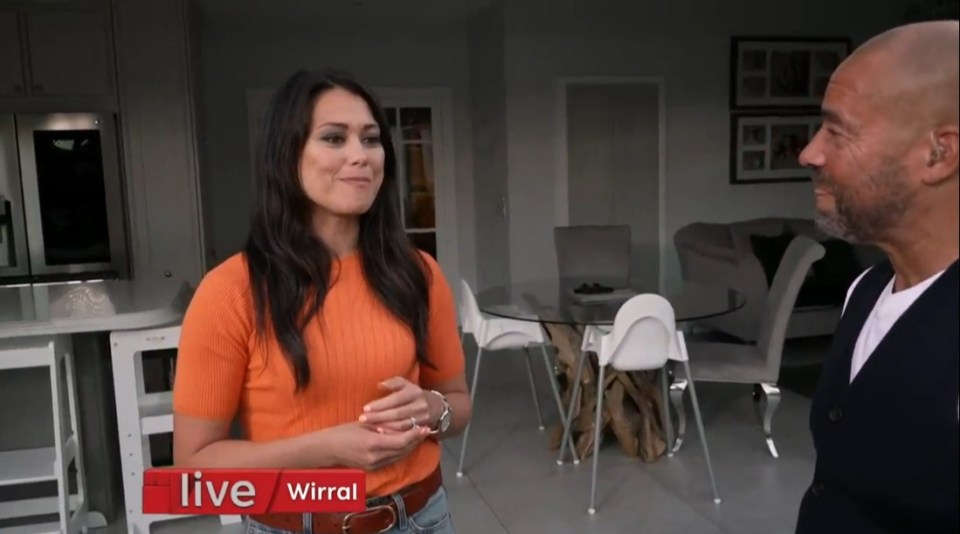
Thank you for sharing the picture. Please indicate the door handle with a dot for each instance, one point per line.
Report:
(6, 221)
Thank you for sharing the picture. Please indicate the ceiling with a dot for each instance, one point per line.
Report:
(217, 11)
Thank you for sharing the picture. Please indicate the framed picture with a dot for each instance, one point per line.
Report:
(778, 72)
(765, 148)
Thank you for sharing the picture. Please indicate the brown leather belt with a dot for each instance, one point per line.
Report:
(374, 520)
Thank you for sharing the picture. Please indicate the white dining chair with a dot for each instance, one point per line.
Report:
(644, 337)
(498, 334)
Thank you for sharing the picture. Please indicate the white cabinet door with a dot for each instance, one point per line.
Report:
(11, 63)
(159, 128)
(69, 52)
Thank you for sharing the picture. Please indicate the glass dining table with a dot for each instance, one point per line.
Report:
(565, 311)
(553, 302)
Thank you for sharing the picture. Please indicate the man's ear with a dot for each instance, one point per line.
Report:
(944, 157)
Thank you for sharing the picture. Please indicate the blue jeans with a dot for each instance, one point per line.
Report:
(434, 518)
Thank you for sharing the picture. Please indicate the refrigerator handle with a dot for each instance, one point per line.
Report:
(6, 221)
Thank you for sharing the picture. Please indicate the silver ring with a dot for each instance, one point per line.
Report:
(413, 422)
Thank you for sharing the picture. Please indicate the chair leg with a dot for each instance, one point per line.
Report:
(676, 398)
(473, 394)
(667, 419)
(61, 460)
(771, 400)
(533, 389)
(556, 395)
(92, 518)
(703, 435)
(573, 405)
(596, 442)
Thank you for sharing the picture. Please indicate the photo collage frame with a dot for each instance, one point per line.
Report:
(776, 88)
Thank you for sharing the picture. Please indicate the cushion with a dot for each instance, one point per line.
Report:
(832, 275)
(769, 250)
(741, 233)
(840, 262)
(829, 277)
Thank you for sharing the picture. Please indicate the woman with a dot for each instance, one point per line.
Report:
(330, 337)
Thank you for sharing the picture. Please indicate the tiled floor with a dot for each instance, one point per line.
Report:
(513, 484)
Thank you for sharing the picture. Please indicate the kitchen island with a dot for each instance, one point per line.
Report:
(86, 313)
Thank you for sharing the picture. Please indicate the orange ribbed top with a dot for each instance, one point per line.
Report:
(223, 370)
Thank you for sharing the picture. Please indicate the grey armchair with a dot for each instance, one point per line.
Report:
(757, 363)
(722, 254)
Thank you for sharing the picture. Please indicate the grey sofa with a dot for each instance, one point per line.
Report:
(726, 254)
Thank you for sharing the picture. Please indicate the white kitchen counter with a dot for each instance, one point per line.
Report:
(88, 312)
(102, 306)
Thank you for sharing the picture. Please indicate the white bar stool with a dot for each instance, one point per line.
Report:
(48, 464)
(141, 415)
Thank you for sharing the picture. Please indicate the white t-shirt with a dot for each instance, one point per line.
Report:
(888, 308)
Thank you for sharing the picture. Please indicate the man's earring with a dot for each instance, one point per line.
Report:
(936, 154)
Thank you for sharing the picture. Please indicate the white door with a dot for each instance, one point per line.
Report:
(613, 171)
(420, 124)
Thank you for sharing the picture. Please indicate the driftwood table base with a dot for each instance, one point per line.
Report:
(632, 402)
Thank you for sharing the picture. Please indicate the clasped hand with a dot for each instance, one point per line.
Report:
(404, 408)
(390, 428)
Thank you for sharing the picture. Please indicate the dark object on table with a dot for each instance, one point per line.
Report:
(592, 289)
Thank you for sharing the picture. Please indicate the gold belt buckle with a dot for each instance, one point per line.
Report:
(345, 528)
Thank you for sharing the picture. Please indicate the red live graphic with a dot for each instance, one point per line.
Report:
(252, 491)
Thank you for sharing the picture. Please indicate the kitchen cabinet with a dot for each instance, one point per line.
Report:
(11, 60)
(158, 96)
(135, 59)
(69, 52)
(53, 51)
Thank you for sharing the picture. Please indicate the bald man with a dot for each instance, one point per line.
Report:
(886, 411)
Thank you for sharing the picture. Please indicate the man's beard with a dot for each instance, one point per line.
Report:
(865, 214)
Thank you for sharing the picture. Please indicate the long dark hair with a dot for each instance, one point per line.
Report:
(289, 265)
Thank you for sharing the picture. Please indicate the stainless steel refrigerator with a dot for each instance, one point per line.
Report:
(61, 198)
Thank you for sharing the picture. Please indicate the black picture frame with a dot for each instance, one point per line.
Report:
(782, 72)
(765, 147)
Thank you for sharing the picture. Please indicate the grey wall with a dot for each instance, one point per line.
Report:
(488, 103)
